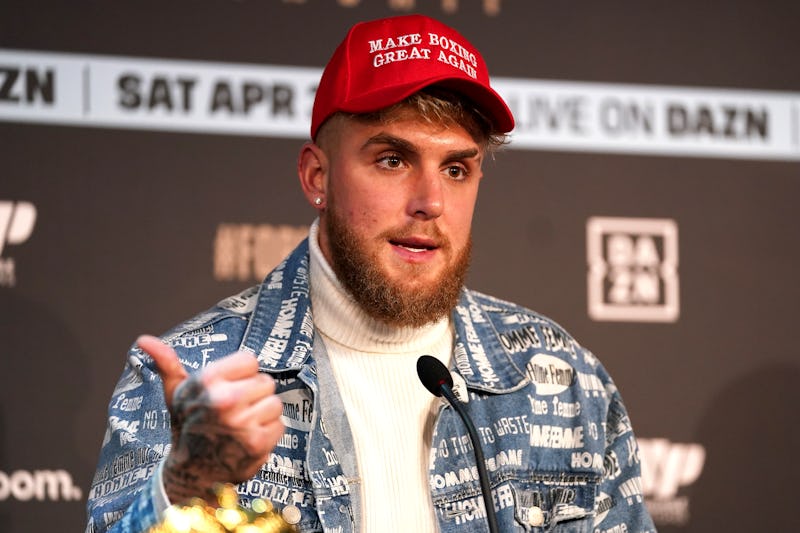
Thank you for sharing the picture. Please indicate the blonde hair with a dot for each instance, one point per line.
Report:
(434, 104)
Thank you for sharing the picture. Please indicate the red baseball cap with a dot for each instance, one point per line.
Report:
(383, 61)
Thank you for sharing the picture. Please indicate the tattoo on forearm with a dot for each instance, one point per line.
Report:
(204, 452)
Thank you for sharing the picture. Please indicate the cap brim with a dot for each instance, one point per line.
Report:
(486, 99)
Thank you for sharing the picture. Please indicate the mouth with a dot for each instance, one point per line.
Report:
(414, 245)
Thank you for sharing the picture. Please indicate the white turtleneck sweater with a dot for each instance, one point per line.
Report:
(390, 413)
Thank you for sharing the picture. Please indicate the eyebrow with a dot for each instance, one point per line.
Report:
(405, 146)
(391, 140)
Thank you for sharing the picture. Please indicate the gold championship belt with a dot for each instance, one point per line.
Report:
(229, 517)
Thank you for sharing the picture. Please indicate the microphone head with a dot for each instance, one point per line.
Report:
(433, 374)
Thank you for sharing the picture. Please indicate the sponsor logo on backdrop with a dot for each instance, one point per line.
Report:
(247, 252)
(156, 94)
(17, 220)
(26, 85)
(38, 485)
(633, 269)
(238, 99)
(668, 470)
(653, 120)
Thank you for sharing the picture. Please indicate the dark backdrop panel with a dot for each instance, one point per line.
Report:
(127, 223)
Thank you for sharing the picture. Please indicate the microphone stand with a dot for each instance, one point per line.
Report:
(483, 475)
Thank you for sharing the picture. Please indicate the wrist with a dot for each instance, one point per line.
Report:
(182, 483)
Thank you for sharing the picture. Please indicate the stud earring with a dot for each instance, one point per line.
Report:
(317, 201)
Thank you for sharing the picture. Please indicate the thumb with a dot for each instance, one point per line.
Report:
(169, 366)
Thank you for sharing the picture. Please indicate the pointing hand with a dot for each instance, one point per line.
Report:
(225, 421)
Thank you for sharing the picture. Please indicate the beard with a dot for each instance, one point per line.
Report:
(387, 300)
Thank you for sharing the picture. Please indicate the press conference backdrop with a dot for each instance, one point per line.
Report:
(647, 202)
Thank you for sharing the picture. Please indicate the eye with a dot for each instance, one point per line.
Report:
(456, 172)
(391, 161)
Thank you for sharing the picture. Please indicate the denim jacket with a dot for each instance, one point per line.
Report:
(557, 441)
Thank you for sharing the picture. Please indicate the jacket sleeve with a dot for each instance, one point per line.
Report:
(619, 498)
(123, 495)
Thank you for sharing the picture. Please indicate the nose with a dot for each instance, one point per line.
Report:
(426, 197)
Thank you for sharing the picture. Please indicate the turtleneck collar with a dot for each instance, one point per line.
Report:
(338, 317)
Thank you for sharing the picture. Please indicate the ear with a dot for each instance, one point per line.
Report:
(312, 169)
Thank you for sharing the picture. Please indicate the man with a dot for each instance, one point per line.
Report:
(319, 408)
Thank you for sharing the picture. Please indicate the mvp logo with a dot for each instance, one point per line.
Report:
(668, 467)
(16, 225)
(16, 222)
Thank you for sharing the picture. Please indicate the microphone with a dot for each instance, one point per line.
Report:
(437, 379)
